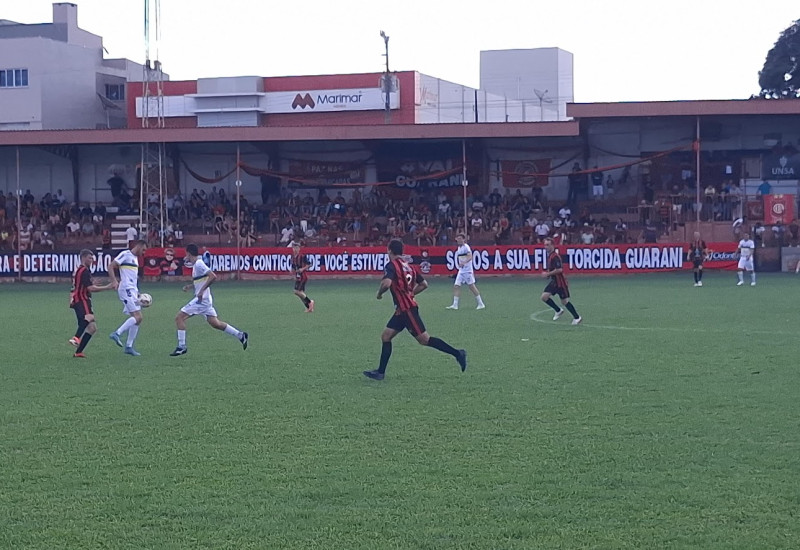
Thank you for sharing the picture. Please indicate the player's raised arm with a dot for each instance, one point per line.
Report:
(386, 283)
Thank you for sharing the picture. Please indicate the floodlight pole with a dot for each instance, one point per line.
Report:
(387, 85)
(464, 182)
(19, 224)
(238, 215)
(698, 205)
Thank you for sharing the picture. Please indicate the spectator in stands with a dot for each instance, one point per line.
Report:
(778, 232)
(87, 228)
(576, 182)
(287, 234)
(794, 234)
(542, 231)
(764, 189)
(131, 233)
(758, 234)
(587, 235)
(649, 233)
(609, 185)
(73, 231)
(565, 212)
(597, 183)
(620, 231)
(24, 236)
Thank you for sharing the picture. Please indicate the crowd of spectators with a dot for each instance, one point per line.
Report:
(49, 221)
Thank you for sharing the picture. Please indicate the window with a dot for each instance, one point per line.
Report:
(13, 78)
(115, 92)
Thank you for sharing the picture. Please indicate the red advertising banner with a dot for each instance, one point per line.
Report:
(778, 209)
(437, 260)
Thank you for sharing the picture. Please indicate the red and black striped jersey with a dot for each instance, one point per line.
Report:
(554, 262)
(404, 279)
(299, 261)
(81, 281)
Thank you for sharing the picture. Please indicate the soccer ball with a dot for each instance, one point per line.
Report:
(145, 300)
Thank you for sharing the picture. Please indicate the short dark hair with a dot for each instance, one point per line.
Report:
(86, 252)
(396, 247)
(192, 249)
(138, 242)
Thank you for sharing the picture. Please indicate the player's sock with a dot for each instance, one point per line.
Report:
(132, 332)
(233, 331)
(81, 327)
(696, 279)
(386, 352)
(129, 322)
(741, 276)
(553, 305)
(699, 275)
(306, 301)
(84, 342)
(571, 309)
(181, 338)
(752, 276)
(441, 345)
(455, 301)
(479, 300)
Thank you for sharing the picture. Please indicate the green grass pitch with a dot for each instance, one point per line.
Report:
(669, 419)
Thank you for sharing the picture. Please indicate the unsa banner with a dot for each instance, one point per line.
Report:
(437, 260)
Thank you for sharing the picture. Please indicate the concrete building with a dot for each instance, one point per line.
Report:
(540, 78)
(55, 76)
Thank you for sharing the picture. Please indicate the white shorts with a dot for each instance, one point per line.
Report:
(130, 300)
(597, 190)
(467, 278)
(746, 264)
(204, 308)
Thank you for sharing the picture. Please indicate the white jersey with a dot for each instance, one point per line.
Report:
(746, 246)
(128, 270)
(463, 254)
(200, 273)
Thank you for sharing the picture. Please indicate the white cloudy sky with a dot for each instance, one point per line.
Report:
(625, 50)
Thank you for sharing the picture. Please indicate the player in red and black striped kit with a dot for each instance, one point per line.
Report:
(301, 265)
(558, 284)
(80, 300)
(405, 283)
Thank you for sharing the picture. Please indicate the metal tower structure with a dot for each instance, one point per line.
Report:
(153, 216)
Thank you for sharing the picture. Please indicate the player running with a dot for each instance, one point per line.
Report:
(301, 265)
(127, 286)
(202, 303)
(697, 254)
(746, 250)
(405, 283)
(80, 300)
(557, 285)
(465, 274)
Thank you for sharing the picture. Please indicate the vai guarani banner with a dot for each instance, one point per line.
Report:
(437, 260)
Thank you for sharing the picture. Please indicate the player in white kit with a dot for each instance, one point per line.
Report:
(127, 287)
(465, 274)
(202, 303)
(746, 250)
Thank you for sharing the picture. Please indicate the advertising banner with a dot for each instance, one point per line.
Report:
(51, 264)
(437, 260)
(778, 209)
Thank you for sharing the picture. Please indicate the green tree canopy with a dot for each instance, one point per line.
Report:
(780, 77)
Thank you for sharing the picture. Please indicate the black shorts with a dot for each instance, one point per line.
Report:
(697, 262)
(407, 320)
(561, 292)
(82, 309)
(300, 283)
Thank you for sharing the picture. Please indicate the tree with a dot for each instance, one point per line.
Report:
(780, 77)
